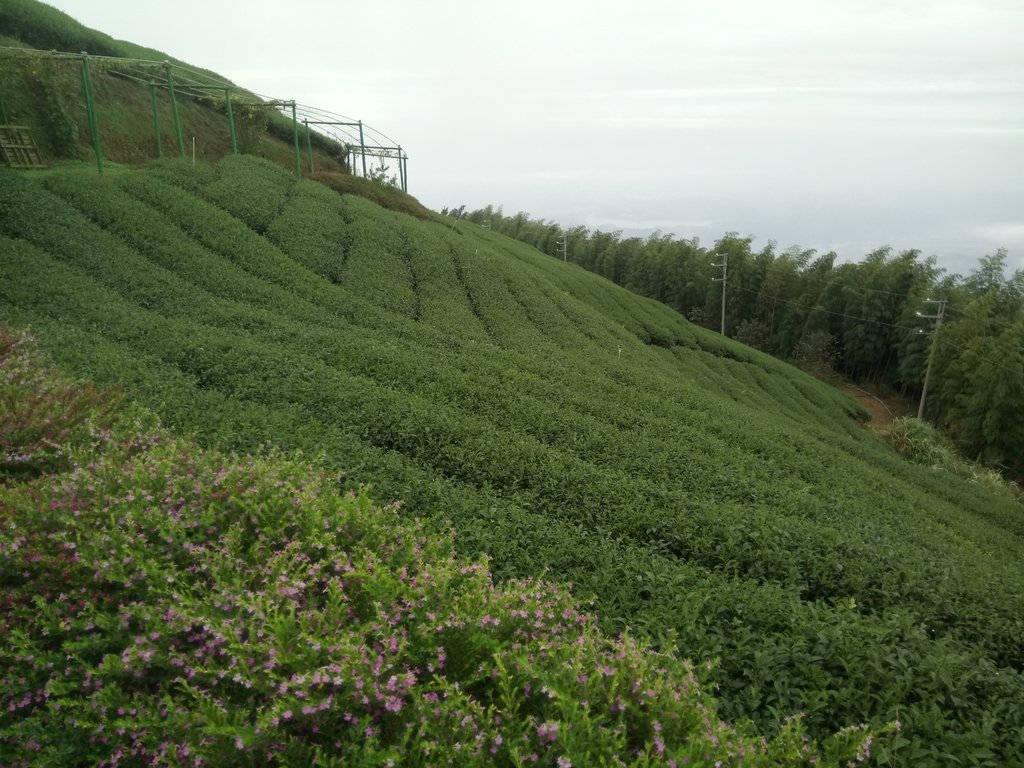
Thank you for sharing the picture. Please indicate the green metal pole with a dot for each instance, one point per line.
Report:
(362, 147)
(231, 122)
(295, 136)
(90, 107)
(156, 119)
(174, 111)
(309, 145)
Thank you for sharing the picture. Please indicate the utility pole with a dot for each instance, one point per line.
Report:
(562, 247)
(937, 317)
(723, 279)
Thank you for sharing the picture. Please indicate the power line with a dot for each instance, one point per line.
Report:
(939, 339)
(822, 309)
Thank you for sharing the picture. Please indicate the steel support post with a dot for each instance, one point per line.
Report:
(174, 111)
(156, 119)
(362, 147)
(231, 122)
(309, 145)
(295, 137)
(90, 107)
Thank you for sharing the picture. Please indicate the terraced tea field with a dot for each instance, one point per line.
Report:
(700, 493)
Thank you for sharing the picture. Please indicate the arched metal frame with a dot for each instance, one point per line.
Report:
(354, 138)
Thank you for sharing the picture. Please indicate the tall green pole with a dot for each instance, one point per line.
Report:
(362, 147)
(309, 145)
(295, 136)
(231, 122)
(174, 111)
(156, 119)
(90, 107)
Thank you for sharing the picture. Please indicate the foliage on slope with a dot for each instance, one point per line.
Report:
(46, 94)
(921, 443)
(705, 494)
(384, 195)
(42, 26)
(166, 605)
(864, 318)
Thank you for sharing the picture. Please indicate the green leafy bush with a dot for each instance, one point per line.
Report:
(384, 195)
(162, 604)
(40, 416)
(919, 442)
(251, 189)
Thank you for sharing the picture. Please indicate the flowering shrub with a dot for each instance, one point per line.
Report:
(40, 414)
(160, 604)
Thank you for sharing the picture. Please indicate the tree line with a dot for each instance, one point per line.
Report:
(878, 320)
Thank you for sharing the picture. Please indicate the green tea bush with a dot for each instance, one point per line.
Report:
(384, 195)
(251, 189)
(229, 238)
(167, 605)
(314, 230)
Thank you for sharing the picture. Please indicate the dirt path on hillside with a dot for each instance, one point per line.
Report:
(881, 412)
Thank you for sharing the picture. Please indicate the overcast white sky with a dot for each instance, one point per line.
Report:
(837, 125)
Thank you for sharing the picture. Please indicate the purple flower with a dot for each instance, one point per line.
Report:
(547, 731)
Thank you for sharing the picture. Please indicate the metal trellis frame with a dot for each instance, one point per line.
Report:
(352, 138)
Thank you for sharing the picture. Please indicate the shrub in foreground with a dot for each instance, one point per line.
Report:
(165, 605)
(40, 414)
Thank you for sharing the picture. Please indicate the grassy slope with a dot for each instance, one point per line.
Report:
(687, 483)
(53, 96)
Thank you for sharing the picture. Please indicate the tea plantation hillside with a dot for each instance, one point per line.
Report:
(168, 605)
(700, 493)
